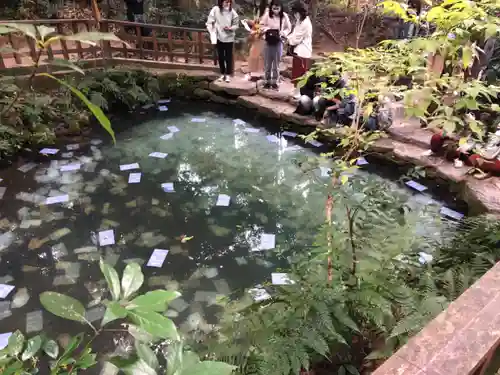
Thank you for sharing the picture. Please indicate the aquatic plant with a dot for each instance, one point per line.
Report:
(142, 319)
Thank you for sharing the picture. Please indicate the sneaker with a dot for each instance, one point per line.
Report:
(266, 86)
(248, 77)
(221, 78)
(275, 86)
(227, 79)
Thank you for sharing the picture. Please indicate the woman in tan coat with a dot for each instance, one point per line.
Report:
(255, 56)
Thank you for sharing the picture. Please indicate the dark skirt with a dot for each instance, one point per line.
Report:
(299, 67)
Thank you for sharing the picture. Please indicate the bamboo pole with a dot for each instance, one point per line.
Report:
(96, 11)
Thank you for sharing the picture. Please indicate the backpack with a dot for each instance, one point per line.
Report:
(272, 36)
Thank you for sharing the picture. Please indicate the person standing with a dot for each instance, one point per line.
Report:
(300, 42)
(223, 20)
(276, 26)
(255, 58)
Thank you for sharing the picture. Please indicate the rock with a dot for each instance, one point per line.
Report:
(202, 93)
(482, 195)
(219, 99)
(236, 87)
(266, 106)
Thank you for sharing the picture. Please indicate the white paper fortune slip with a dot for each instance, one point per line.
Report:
(451, 213)
(159, 155)
(168, 187)
(26, 167)
(5, 290)
(315, 143)
(281, 279)
(73, 147)
(4, 339)
(3, 189)
(106, 237)
(71, 167)
(157, 258)
(127, 167)
(134, 178)
(167, 136)
(325, 171)
(267, 242)
(49, 151)
(361, 161)
(259, 294)
(163, 108)
(273, 139)
(223, 200)
(173, 129)
(289, 134)
(239, 122)
(251, 130)
(57, 199)
(163, 101)
(415, 185)
(198, 119)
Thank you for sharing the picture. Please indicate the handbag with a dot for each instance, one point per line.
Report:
(272, 36)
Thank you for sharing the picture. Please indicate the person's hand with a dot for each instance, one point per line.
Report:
(337, 101)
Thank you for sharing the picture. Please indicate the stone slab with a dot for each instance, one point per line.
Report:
(237, 87)
(409, 131)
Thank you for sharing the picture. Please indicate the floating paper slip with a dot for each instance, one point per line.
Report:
(450, 213)
(26, 167)
(73, 147)
(251, 130)
(2, 191)
(325, 172)
(223, 200)
(57, 199)
(273, 139)
(127, 167)
(96, 142)
(106, 237)
(267, 241)
(198, 119)
(157, 258)
(134, 178)
(163, 108)
(49, 151)
(5, 290)
(71, 167)
(163, 101)
(173, 129)
(34, 321)
(4, 339)
(168, 187)
(315, 143)
(361, 161)
(159, 155)
(259, 294)
(281, 279)
(289, 134)
(239, 122)
(415, 185)
(167, 136)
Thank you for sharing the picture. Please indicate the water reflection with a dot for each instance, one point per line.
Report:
(56, 247)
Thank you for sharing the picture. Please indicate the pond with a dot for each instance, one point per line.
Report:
(212, 187)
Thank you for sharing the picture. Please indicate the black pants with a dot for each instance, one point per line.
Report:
(225, 53)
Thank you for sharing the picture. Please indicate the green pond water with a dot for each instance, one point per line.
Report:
(56, 247)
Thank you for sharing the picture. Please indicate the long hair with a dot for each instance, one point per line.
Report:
(260, 9)
(219, 4)
(300, 8)
(276, 3)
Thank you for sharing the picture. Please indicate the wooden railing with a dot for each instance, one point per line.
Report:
(160, 43)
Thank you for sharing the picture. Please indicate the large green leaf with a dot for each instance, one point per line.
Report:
(64, 64)
(44, 31)
(146, 354)
(112, 279)
(154, 323)
(15, 343)
(32, 347)
(174, 357)
(92, 37)
(138, 368)
(25, 28)
(63, 306)
(139, 334)
(208, 368)
(113, 311)
(156, 300)
(132, 279)
(51, 349)
(96, 111)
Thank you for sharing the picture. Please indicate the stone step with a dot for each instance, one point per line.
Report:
(409, 131)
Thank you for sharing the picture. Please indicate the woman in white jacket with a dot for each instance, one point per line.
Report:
(300, 41)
